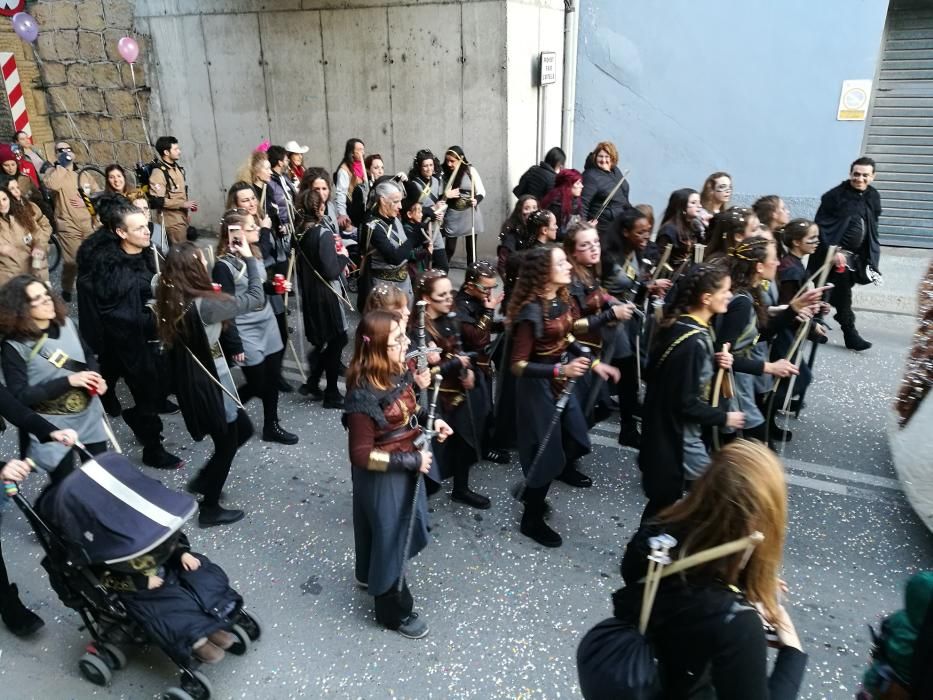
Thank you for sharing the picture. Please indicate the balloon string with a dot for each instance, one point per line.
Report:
(139, 109)
(61, 101)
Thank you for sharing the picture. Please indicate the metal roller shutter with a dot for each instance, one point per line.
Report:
(899, 135)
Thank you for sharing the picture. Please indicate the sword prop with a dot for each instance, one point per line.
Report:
(612, 193)
(424, 444)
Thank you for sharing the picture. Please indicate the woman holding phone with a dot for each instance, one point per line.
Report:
(253, 340)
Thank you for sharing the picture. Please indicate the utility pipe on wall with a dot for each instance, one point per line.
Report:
(571, 29)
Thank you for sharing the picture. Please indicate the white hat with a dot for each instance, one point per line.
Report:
(293, 147)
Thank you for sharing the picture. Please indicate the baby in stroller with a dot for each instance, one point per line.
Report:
(117, 555)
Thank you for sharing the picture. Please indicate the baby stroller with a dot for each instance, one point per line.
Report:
(105, 513)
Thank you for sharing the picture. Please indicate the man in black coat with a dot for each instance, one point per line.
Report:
(538, 180)
(848, 218)
(116, 268)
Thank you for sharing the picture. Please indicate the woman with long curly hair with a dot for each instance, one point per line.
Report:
(706, 623)
(191, 316)
(728, 228)
(24, 238)
(679, 376)
(544, 358)
(47, 366)
(716, 193)
(384, 424)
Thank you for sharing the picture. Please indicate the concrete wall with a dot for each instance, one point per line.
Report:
(751, 87)
(401, 76)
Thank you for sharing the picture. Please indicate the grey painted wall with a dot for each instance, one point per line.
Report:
(686, 88)
(399, 75)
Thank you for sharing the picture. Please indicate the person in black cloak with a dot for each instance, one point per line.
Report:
(191, 316)
(848, 218)
(544, 357)
(464, 399)
(19, 619)
(383, 419)
(476, 303)
(424, 187)
(322, 266)
(681, 366)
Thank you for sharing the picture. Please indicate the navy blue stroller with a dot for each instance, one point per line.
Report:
(104, 514)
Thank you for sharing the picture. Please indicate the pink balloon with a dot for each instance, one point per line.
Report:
(128, 49)
(25, 26)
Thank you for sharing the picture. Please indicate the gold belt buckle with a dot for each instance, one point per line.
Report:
(58, 358)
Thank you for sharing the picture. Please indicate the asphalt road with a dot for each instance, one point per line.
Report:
(505, 614)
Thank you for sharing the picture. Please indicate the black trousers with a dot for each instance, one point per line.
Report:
(143, 418)
(840, 296)
(262, 380)
(628, 386)
(325, 361)
(393, 606)
(227, 441)
(67, 465)
(450, 246)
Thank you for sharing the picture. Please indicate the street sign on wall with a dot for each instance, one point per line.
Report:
(547, 68)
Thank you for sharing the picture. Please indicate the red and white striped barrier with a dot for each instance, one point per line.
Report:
(14, 92)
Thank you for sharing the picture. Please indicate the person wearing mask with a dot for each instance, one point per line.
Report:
(252, 340)
(463, 193)
(604, 198)
(848, 218)
(539, 179)
(24, 238)
(116, 271)
(716, 194)
(707, 625)
(191, 316)
(295, 169)
(322, 265)
(348, 176)
(385, 247)
(168, 190)
(73, 220)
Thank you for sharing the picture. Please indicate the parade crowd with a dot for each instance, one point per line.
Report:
(691, 325)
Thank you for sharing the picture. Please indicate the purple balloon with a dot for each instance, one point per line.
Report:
(128, 49)
(25, 26)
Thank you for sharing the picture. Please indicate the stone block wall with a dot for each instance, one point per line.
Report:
(29, 78)
(88, 88)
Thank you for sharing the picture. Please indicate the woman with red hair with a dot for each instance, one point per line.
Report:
(565, 200)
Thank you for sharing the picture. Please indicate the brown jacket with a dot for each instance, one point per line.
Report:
(174, 191)
(15, 254)
(70, 220)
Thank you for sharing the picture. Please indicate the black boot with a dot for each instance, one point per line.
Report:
(462, 492)
(276, 433)
(333, 399)
(629, 435)
(574, 477)
(284, 386)
(19, 619)
(209, 516)
(159, 458)
(533, 526)
(853, 340)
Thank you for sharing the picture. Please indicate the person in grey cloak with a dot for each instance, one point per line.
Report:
(49, 369)
(463, 192)
(382, 419)
(253, 340)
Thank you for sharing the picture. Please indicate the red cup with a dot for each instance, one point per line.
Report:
(278, 284)
(216, 286)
